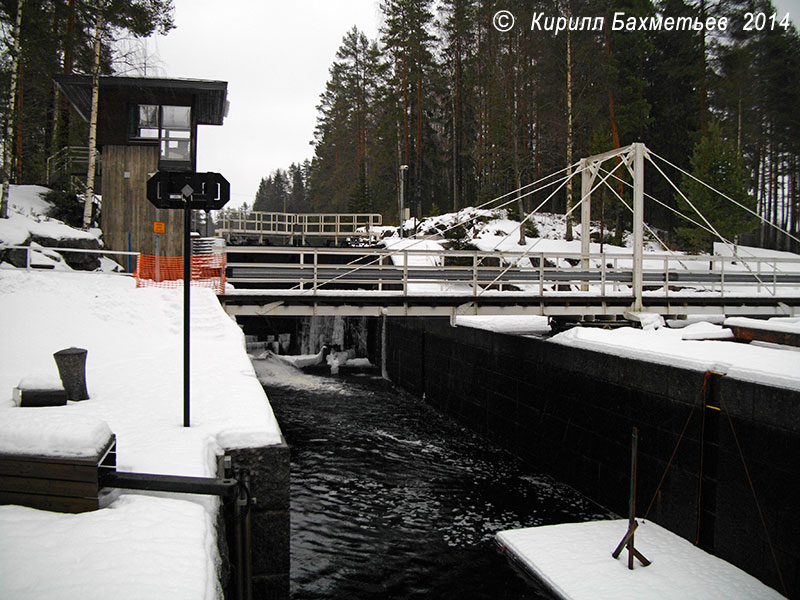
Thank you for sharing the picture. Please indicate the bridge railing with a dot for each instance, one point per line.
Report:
(259, 224)
(475, 272)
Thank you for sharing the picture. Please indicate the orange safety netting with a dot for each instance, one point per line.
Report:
(208, 270)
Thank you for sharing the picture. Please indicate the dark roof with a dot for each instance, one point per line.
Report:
(210, 97)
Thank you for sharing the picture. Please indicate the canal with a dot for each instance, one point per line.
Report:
(390, 499)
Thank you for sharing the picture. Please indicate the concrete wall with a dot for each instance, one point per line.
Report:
(269, 486)
(571, 412)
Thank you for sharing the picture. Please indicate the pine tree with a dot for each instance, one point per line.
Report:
(297, 195)
(717, 163)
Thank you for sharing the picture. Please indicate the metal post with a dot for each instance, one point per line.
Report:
(384, 369)
(403, 170)
(586, 216)
(638, 224)
(632, 498)
(405, 272)
(187, 283)
(475, 274)
(316, 266)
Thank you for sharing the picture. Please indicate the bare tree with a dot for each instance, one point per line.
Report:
(89, 197)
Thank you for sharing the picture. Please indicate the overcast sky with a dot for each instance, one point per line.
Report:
(275, 56)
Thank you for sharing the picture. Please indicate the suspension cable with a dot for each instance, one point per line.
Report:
(737, 203)
(727, 242)
(528, 250)
(418, 240)
(653, 233)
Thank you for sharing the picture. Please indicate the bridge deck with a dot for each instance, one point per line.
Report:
(361, 303)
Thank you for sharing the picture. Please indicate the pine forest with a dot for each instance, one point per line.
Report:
(475, 112)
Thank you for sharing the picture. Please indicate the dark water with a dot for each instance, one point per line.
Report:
(390, 499)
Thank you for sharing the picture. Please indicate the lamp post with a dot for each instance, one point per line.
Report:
(403, 171)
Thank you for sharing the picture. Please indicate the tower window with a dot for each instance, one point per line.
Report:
(171, 125)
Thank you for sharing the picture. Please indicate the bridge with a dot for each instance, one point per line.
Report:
(416, 280)
(408, 282)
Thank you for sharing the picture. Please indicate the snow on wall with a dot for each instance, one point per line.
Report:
(767, 365)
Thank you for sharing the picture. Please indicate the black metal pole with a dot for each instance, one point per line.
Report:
(187, 281)
(632, 498)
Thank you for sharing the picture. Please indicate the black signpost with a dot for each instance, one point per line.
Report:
(188, 191)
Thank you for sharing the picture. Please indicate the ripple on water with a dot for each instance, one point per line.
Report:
(390, 499)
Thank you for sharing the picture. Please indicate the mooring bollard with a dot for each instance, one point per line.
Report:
(71, 364)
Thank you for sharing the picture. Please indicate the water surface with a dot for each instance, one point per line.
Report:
(390, 499)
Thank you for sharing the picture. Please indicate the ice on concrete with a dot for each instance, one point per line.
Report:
(777, 324)
(575, 561)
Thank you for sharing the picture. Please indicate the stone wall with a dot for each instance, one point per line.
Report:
(571, 412)
(269, 487)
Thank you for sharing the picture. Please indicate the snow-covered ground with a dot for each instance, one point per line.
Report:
(575, 561)
(139, 547)
(28, 221)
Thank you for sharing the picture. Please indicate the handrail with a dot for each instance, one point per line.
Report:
(62, 161)
(302, 224)
(29, 249)
(536, 273)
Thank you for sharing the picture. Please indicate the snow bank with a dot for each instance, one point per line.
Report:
(139, 547)
(27, 215)
(416, 255)
(134, 368)
(52, 431)
(575, 561)
(770, 366)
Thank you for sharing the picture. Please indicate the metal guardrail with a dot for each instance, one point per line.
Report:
(30, 266)
(309, 270)
(264, 224)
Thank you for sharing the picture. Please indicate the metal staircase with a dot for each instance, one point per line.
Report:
(70, 164)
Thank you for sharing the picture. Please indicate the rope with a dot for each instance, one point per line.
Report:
(755, 497)
(677, 445)
(702, 396)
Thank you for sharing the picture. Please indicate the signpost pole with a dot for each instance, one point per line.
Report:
(200, 191)
(187, 282)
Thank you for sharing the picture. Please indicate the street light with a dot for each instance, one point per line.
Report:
(403, 169)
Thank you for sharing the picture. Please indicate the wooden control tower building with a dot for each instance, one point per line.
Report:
(144, 125)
